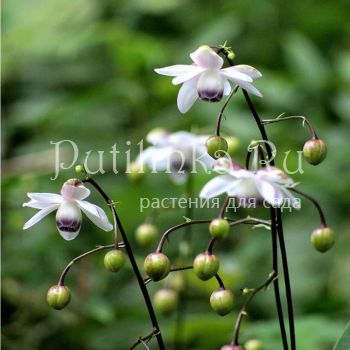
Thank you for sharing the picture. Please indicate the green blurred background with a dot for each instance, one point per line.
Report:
(83, 70)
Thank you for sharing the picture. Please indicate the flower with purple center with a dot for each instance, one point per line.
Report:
(177, 154)
(269, 184)
(207, 80)
(69, 205)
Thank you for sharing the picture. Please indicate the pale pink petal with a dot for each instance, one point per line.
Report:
(227, 88)
(248, 70)
(173, 71)
(70, 192)
(40, 215)
(250, 88)
(45, 197)
(96, 215)
(187, 95)
(207, 58)
(216, 186)
(235, 75)
(272, 194)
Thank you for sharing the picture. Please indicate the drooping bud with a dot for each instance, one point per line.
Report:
(221, 301)
(157, 266)
(206, 265)
(68, 220)
(58, 297)
(253, 344)
(114, 260)
(216, 146)
(165, 301)
(79, 169)
(323, 239)
(219, 228)
(315, 151)
(210, 86)
(146, 234)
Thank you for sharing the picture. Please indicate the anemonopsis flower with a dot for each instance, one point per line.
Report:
(207, 80)
(69, 205)
(269, 184)
(176, 153)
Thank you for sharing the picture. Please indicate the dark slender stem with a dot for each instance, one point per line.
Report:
(275, 213)
(276, 120)
(211, 245)
(224, 207)
(133, 262)
(220, 281)
(316, 204)
(243, 311)
(247, 220)
(174, 269)
(90, 252)
(221, 113)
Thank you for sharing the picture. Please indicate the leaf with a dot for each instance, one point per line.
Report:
(344, 342)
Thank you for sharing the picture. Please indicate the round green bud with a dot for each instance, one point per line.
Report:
(231, 56)
(136, 172)
(146, 234)
(165, 301)
(206, 265)
(315, 151)
(219, 228)
(323, 239)
(233, 145)
(79, 169)
(58, 297)
(157, 266)
(253, 344)
(216, 146)
(232, 347)
(114, 260)
(221, 301)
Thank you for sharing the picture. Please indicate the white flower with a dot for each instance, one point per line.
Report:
(177, 154)
(206, 79)
(69, 205)
(269, 184)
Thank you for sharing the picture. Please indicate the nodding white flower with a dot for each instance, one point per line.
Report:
(69, 205)
(269, 184)
(206, 78)
(177, 154)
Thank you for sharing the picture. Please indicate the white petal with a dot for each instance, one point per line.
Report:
(216, 186)
(207, 58)
(182, 137)
(157, 136)
(250, 88)
(178, 178)
(272, 194)
(70, 192)
(45, 197)
(68, 220)
(236, 76)
(96, 215)
(189, 75)
(40, 215)
(248, 70)
(227, 88)
(187, 95)
(175, 70)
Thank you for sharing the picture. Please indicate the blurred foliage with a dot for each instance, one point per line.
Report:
(83, 70)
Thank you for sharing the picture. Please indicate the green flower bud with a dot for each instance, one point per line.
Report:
(146, 234)
(253, 344)
(157, 266)
(165, 301)
(323, 239)
(233, 145)
(315, 151)
(136, 172)
(79, 169)
(206, 265)
(58, 297)
(114, 260)
(216, 146)
(221, 301)
(219, 228)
